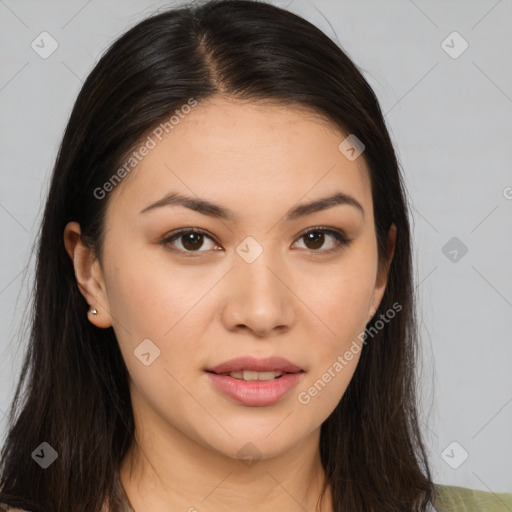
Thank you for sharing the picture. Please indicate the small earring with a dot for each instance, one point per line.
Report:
(93, 311)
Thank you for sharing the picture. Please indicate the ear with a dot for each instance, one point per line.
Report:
(88, 275)
(382, 274)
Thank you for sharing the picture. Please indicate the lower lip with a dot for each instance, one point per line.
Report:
(255, 393)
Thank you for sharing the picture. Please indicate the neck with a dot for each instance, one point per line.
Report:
(166, 470)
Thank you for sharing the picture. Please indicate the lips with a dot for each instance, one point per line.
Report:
(255, 382)
(252, 364)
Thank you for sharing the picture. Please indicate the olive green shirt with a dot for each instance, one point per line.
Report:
(461, 499)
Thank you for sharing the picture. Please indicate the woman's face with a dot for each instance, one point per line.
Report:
(252, 283)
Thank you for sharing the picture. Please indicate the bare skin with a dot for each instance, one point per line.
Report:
(202, 303)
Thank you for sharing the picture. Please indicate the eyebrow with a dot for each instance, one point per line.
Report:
(220, 212)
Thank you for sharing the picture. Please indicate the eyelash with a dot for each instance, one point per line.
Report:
(341, 240)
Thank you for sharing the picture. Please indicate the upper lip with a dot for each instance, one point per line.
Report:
(249, 363)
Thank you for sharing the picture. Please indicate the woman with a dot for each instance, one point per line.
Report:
(223, 313)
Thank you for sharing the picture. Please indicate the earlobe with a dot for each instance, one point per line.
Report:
(88, 276)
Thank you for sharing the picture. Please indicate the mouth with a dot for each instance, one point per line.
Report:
(249, 375)
(255, 382)
(252, 368)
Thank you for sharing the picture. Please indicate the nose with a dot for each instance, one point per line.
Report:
(259, 298)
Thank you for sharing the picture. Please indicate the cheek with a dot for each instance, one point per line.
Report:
(343, 310)
(341, 299)
(327, 383)
(146, 297)
(149, 299)
(148, 305)
(341, 294)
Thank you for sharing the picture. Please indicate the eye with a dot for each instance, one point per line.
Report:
(191, 240)
(315, 239)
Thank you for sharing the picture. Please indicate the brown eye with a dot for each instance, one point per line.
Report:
(316, 238)
(191, 240)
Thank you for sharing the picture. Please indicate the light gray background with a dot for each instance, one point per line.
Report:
(450, 119)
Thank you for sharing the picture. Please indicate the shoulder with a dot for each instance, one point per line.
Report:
(450, 498)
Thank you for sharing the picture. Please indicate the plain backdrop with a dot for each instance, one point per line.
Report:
(442, 73)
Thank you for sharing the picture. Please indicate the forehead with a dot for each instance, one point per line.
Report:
(245, 151)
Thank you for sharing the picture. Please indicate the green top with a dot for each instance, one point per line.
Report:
(451, 498)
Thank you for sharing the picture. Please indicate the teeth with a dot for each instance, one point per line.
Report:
(249, 375)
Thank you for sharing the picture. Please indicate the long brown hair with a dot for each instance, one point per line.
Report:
(73, 390)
